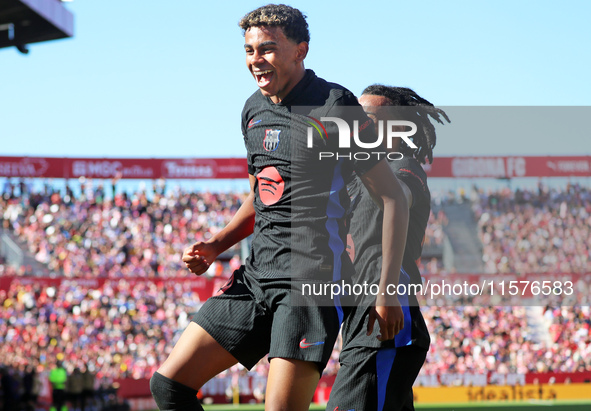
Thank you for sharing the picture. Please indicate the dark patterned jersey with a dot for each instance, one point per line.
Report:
(301, 199)
(366, 220)
(365, 245)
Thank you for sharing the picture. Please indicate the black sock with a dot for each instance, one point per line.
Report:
(173, 396)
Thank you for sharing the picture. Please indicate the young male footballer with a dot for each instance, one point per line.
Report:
(296, 211)
(377, 375)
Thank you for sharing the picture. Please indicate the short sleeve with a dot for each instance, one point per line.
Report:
(244, 129)
(415, 180)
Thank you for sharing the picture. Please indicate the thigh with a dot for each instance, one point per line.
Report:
(230, 327)
(196, 358)
(291, 384)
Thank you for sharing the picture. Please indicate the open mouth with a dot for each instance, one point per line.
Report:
(263, 77)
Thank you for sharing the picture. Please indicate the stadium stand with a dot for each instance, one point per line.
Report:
(126, 235)
(543, 230)
(122, 327)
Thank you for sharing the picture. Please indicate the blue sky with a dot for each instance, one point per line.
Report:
(168, 79)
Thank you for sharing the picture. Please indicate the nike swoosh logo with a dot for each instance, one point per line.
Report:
(304, 344)
(252, 122)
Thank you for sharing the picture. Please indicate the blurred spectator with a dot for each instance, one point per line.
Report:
(74, 388)
(31, 388)
(88, 392)
(434, 232)
(9, 387)
(58, 379)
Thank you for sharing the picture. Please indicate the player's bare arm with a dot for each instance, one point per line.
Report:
(199, 256)
(386, 190)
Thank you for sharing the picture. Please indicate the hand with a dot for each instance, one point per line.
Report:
(199, 257)
(390, 320)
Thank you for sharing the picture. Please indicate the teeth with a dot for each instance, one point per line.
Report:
(260, 73)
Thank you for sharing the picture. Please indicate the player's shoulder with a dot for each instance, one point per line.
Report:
(340, 95)
(408, 164)
(408, 169)
(327, 93)
(254, 101)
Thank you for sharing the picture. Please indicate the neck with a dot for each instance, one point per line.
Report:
(301, 72)
(395, 146)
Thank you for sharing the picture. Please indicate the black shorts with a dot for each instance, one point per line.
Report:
(414, 332)
(377, 379)
(251, 318)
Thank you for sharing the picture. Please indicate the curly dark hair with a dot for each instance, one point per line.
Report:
(290, 19)
(425, 137)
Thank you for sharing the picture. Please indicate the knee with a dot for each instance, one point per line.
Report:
(155, 386)
(171, 395)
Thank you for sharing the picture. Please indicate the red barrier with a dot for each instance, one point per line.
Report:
(203, 286)
(217, 388)
(130, 168)
(211, 168)
(130, 388)
(509, 166)
(558, 378)
(470, 379)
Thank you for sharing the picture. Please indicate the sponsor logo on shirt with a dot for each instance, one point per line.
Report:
(270, 185)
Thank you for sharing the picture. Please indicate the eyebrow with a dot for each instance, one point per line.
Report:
(263, 44)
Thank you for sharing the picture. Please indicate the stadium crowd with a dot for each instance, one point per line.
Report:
(543, 230)
(121, 329)
(125, 329)
(481, 339)
(122, 235)
(570, 332)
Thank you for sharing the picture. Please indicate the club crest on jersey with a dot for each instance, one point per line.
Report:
(271, 140)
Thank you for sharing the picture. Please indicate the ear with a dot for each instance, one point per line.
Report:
(302, 51)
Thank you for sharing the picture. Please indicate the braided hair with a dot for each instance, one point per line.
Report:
(425, 137)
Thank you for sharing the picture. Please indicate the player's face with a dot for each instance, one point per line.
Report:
(376, 108)
(372, 107)
(275, 61)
